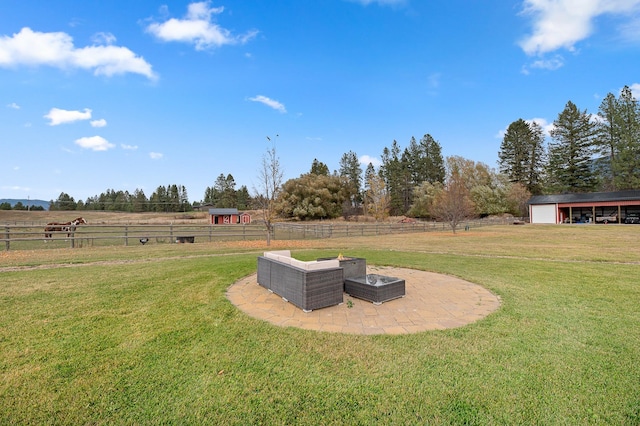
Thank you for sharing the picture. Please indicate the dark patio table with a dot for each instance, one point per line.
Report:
(375, 288)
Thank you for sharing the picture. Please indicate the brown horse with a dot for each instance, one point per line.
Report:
(68, 227)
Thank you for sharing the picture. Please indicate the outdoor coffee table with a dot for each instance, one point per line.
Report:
(375, 288)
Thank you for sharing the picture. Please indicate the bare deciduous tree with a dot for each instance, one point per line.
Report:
(270, 183)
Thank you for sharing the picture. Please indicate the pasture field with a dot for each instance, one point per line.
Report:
(145, 335)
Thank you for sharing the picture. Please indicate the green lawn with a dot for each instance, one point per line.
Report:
(146, 336)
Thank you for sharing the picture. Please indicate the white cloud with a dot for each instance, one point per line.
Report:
(366, 159)
(16, 188)
(156, 155)
(271, 103)
(103, 38)
(98, 123)
(197, 28)
(635, 90)
(560, 24)
(129, 147)
(94, 143)
(61, 116)
(56, 49)
(13, 105)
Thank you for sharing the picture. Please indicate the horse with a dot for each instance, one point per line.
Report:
(68, 227)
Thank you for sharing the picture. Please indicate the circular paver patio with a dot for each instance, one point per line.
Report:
(432, 302)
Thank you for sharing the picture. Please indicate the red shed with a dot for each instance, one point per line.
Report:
(228, 217)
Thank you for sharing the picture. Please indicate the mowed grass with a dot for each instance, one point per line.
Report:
(146, 336)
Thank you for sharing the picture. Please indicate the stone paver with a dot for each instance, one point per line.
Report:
(432, 302)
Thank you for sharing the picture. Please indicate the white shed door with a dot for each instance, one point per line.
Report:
(544, 213)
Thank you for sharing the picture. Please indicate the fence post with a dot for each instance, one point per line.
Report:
(171, 233)
(126, 235)
(6, 235)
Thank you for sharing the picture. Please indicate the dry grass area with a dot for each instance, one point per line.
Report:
(101, 217)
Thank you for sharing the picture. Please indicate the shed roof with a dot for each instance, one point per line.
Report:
(223, 211)
(591, 197)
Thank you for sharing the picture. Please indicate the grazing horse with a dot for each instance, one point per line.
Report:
(68, 227)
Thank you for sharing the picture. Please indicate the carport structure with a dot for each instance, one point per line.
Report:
(599, 207)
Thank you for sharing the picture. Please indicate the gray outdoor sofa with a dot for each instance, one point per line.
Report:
(308, 285)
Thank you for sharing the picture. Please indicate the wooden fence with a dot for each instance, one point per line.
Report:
(30, 235)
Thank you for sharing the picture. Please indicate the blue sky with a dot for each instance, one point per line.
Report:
(98, 95)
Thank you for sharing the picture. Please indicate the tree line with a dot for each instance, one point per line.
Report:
(587, 152)
(584, 152)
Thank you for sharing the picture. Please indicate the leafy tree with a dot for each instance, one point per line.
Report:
(569, 168)
(5, 206)
(311, 197)
(522, 154)
(319, 168)
(425, 195)
(454, 204)
(517, 197)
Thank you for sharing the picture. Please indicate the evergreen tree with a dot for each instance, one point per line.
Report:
(608, 140)
(626, 166)
(431, 167)
(391, 173)
(351, 170)
(569, 167)
(319, 168)
(521, 156)
(139, 201)
(243, 198)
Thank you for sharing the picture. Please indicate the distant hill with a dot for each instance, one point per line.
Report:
(13, 202)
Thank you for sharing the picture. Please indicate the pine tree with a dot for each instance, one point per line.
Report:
(521, 157)
(626, 166)
(431, 167)
(570, 163)
(319, 168)
(351, 170)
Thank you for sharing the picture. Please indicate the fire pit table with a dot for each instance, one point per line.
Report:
(375, 288)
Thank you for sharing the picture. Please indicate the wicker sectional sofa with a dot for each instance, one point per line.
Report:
(308, 285)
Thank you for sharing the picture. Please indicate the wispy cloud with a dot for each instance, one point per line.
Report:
(156, 155)
(128, 147)
(94, 143)
(58, 116)
(13, 105)
(56, 49)
(271, 103)
(197, 28)
(16, 188)
(99, 123)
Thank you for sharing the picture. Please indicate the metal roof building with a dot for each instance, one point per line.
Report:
(604, 207)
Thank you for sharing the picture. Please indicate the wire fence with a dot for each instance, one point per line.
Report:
(30, 235)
